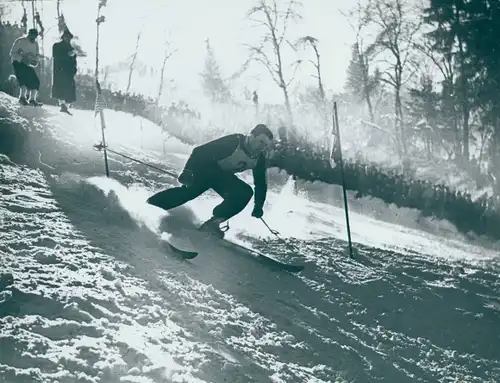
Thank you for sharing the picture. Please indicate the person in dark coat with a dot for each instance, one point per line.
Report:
(63, 81)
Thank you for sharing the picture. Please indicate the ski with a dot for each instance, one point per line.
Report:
(188, 252)
(292, 268)
(179, 251)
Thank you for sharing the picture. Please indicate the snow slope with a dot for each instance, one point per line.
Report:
(89, 294)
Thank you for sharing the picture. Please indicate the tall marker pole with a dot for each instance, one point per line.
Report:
(99, 103)
(336, 129)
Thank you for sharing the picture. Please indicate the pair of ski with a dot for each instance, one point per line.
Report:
(265, 259)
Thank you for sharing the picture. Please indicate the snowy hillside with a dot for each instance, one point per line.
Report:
(88, 293)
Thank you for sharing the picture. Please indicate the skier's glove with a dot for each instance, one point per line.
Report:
(257, 212)
(186, 177)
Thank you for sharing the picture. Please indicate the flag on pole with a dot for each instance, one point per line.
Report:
(103, 3)
(334, 145)
(100, 104)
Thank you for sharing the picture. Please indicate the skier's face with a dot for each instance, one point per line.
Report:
(259, 143)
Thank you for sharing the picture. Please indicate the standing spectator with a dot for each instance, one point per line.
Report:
(255, 100)
(63, 80)
(24, 55)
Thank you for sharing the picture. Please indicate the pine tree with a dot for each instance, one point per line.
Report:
(213, 84)
(449, 38)
(359, 81)
(424, 107)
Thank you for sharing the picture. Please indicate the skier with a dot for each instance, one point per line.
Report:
(213, 166)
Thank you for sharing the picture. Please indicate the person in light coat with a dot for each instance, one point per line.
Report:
(24, 55)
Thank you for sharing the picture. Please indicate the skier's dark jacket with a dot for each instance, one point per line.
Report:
(228, 154)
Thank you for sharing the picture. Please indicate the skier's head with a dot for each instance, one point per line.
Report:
(259, 139)
(32, 34)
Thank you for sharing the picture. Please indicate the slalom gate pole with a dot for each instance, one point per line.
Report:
(99, 103)
(346, 208)
(100, 110)
(103, 125)
(101, 147)
(33, 12)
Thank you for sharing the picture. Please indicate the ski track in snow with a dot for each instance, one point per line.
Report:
(89, 294)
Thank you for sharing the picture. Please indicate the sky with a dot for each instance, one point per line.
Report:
(186, 25)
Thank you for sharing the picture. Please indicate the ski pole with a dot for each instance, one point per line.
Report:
(99, 147)
(277, 235)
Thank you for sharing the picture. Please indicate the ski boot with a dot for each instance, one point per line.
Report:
(212, 226)
(64, 109)
(35, 103)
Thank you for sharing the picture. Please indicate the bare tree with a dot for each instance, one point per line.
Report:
(275, 23)
(313, 42)
(4, 11)
(132, 63)
(166, 56)
(399, 25)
